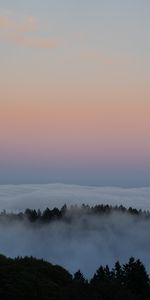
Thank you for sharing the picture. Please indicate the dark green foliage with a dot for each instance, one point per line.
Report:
(128, 281)
(135, 276)
(30, 278)
(47, 215)
(31, 214)
(78, 277)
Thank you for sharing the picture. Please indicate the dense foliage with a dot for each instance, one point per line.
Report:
(30, 278)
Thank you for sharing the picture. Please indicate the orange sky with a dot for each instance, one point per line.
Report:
(54, 129)
(75, 88)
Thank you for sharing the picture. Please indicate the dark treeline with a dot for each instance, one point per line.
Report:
(30, 278)
(67, 213)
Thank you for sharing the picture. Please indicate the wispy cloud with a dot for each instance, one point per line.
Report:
(18, 33)
(34, 42)
(30, 24)
(6, 23)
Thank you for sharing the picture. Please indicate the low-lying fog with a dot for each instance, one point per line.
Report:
(85, 243)
(89, 240)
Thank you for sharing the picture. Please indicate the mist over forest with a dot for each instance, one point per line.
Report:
(77, 237)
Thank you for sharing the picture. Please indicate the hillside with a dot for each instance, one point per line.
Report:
(30, 278)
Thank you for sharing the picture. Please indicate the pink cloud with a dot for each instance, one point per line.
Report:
(19, 34)
(6, 23)
(29, 25)
(35, 42)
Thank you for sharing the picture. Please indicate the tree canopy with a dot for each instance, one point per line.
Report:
(31, 278)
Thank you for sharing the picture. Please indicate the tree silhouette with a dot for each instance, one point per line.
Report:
(135, 276)
(78, 277)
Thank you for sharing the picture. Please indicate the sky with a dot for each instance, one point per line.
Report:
(75, 92)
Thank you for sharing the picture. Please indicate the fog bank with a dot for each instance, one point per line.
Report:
(85, 243)
(89, 240)
(19, 197)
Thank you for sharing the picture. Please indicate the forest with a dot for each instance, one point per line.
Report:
(30, 278)
(69, 213)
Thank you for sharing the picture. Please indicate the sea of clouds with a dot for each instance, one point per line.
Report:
(86, 242)
(20, 197)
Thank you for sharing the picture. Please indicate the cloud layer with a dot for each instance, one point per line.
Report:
(19, 197)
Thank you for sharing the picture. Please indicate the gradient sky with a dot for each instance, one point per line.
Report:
(75, 92)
